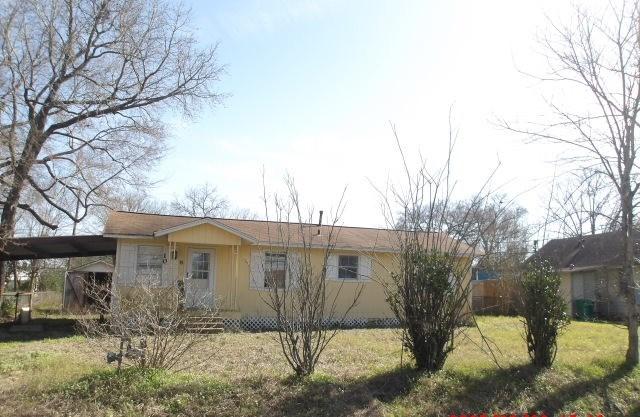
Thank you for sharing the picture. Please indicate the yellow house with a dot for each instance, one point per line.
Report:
(222, 261)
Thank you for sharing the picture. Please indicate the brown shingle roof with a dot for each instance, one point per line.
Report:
(604, 249)
(143, 224)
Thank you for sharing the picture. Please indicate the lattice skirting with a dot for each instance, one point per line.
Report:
(269, 323)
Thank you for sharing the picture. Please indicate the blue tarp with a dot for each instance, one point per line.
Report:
(483, 275)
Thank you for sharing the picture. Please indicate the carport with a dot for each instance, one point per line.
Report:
(52, 247)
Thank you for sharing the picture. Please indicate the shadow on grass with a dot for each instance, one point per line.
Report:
(559, 399)
(362, 397)
(493, 391)
(38, 329)
(496, 390)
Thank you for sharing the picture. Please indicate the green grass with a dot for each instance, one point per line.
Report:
(244, 374)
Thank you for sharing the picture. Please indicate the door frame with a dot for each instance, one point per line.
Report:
(213, 262)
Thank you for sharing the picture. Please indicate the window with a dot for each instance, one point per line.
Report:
(275, 270)
(149, 261)
(348, 267)
(200, 265)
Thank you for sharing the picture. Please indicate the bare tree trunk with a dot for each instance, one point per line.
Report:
(628, 276)
(10, 206)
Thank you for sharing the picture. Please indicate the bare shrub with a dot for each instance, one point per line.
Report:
(543, 310)
(146, 324)
(306, 310)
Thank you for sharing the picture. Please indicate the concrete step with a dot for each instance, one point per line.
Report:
(205, 330)
(199, 322)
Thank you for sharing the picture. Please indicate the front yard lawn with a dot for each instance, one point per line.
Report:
(244, 374)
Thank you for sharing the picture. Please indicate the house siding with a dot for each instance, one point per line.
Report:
(233, 290)
(205, 234)
(600, 285)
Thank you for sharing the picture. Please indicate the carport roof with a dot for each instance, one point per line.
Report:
(58, 247)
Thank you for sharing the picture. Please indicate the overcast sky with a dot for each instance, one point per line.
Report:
(313, 86)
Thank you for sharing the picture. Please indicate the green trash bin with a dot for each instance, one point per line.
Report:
(585, 309)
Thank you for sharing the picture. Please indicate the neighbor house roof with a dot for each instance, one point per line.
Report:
(585, 252)
(132, 224)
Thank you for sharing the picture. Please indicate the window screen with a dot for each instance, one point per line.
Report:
(348, 267)
(275, 270)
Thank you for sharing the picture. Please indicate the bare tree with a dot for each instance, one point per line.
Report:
(134, 200)
(597, 54)
(83, 84)
(584, 204)
(206, 201)
(121, 198)
(295, 273)
(430, 290)
(498, 228)
(200, 201)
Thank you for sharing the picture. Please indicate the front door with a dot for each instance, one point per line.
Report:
(199, 283)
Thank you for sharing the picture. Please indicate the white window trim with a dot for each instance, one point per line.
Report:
(286, 270)
(358, 268)
(258, 285)
(138, 273)
(361, 278)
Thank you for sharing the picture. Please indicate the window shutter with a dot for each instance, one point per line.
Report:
(126, 269)
(256, 278)
(294, 259)
(332, 266)
(364, 268)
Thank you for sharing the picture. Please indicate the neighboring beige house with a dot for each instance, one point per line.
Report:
(590, 267)
(223, 261)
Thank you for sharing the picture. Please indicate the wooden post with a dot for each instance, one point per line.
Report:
(15, 314)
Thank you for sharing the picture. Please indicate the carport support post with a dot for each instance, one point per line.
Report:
(15, 314)
(66, 273)
(64, 289)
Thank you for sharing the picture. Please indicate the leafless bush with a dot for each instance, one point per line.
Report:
(146, 324)
(295, 275)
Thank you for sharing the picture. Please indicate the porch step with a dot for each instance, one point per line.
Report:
(206, 330)
(202, 323)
